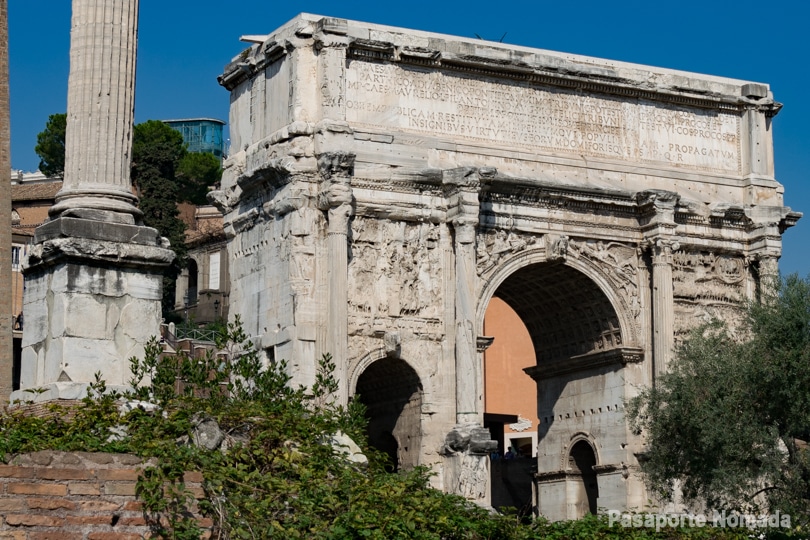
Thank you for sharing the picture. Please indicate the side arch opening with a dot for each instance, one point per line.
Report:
(581, 462)
(392, 393)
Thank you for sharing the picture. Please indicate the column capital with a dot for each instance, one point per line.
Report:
(335, 195)
(662, 249)
(464, 227)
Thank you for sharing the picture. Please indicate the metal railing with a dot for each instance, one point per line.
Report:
(197, 334)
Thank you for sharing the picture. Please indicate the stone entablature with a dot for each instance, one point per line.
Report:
(385, 184)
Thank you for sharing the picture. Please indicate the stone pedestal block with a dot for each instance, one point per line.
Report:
(90, 304)
(466, 462)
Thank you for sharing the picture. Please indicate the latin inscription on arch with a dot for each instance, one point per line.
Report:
(557, 121)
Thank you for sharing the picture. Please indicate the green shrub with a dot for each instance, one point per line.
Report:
(278, 478)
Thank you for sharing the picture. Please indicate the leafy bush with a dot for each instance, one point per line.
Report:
(276, 475)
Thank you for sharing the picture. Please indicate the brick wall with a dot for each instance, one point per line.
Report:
(75, 496)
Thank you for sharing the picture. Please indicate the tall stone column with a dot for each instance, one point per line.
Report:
(100, 111)
(468, 445)
(336, 199)
(663, 305)
(6, 356)
(94, 275)
(469, 380)
(464, 186)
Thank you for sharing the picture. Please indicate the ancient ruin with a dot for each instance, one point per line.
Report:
(94, 274)
(385, 184)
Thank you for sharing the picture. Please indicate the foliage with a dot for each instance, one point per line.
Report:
(157, 151)
(51, 145)
(196, 172)
(731, 421)
(276, 475)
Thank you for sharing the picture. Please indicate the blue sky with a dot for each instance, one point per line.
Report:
(184, 44)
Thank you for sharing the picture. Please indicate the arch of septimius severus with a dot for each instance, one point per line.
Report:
(385, 184)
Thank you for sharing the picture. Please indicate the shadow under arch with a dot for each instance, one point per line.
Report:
(537, 258)
(392, 393)
(192, 289)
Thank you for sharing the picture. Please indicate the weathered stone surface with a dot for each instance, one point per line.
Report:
(395, 181)
(345, 446)
(70, 227)
(206, 433)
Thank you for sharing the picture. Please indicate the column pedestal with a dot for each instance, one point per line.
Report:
(92, 300)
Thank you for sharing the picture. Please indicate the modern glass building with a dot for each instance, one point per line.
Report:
(201, 134)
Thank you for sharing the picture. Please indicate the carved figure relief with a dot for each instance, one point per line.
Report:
(393, 269)
(708, 278)
(302, 265)
(495, 245)
(706, 286)
(618, 261)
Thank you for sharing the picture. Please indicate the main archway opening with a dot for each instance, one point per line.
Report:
(510, 406)
(392, 393)
(565, 340)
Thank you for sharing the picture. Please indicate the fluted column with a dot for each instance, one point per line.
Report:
(336, 198)
(100, 111)
(768, 276)
(469, 382)
(663, 305)
(464, 186)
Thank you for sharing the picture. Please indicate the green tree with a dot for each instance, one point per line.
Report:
(196, 173)
(730, 421)
(51, 146)
(157, 151)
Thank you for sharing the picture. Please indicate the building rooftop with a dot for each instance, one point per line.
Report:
(35, 192)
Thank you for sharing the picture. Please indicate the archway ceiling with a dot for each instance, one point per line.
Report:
(565, 312)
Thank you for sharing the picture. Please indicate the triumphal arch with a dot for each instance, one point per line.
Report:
(384, 185)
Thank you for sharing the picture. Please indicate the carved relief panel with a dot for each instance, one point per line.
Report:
(494, 246)
(707, 285)
(395, 270)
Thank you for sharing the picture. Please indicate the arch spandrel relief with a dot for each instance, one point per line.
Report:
(613, 266)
